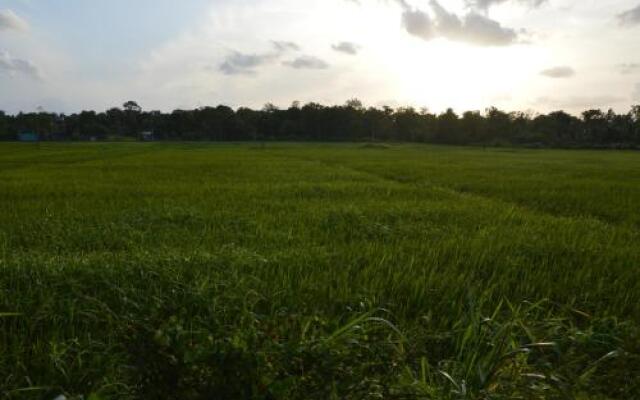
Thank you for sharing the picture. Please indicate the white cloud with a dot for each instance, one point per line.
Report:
(485, 4)
(13, 66)
(630, 17)
(346, 47)
(628, 68)
(307, 62)
(448, 24)
(636, 94)
(283, 46)
(483, 31)
(558, 72)
(473, 28)
(10, 21)
(419, 24)
(245, 64)
(238, 63)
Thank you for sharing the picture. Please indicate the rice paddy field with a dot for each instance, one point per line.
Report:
(333, 271)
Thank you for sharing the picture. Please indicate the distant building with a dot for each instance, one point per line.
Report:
(28, 137)
(147, 136)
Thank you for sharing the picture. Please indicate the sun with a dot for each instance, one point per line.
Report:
(442, 74)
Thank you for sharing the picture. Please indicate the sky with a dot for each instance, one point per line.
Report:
(527, 55)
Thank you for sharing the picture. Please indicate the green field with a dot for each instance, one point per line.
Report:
(285, 271)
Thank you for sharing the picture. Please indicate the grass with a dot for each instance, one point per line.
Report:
(288, 271)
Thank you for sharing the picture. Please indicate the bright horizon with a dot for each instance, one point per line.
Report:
(513, 54)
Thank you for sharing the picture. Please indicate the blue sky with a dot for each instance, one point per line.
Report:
(125, 24)
(106, 36)
(69, 55)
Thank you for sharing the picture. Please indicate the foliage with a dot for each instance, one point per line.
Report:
(351, 122)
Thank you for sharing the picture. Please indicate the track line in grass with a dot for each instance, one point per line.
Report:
(504, 204)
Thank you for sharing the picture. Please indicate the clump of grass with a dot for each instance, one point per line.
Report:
(532, 351)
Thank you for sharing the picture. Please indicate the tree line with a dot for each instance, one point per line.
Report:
(349, 122)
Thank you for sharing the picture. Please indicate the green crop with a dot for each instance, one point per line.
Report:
(291, 271)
